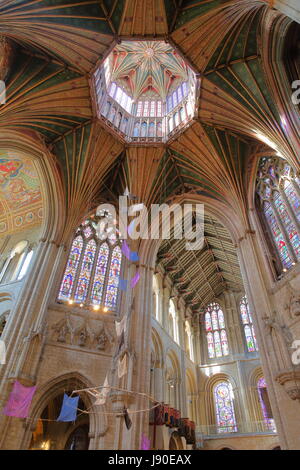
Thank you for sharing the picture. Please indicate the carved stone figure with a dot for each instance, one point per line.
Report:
(82, 337)
(62, 334)
(295, 305)
(102, 340)
(272, 323)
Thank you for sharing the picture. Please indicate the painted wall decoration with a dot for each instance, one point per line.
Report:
(21, 201)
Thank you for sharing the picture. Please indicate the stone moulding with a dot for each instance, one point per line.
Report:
(290, 380)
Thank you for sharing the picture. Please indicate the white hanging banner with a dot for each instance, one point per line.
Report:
(121, 326)
(122, 366)
(101, 400)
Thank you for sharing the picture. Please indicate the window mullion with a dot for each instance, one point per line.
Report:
(284, 233)
(295, 186)
(105, 284)
(78, 271)
(290, 210)
(91, 282)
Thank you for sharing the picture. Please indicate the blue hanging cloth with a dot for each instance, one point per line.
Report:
(68, 410)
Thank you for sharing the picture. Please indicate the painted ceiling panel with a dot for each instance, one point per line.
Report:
(147, 68)
(143, 18)
(80, 32)
(66, 104)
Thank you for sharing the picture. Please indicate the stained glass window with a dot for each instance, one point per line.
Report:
(85, 272)
(139, 108)
(113, 278)
(294, 200)
(279, 192)
(248, 325)
(216, 335)
(265, 404)
(224, 407)
(100, 271)
(288, 223)
(277, 236)
(159, 109)
(146, 109)
(93, 269)
(71, 269)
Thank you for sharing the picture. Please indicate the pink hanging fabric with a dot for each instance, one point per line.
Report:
(135, 280)
(126, 250)
(145, 444)
(19, 401)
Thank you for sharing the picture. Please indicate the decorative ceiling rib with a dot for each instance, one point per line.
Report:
(220, 158)
(202, 276)
(143, 67)
(78, 33)
(86, 155)
(143, 18)
(44, 96)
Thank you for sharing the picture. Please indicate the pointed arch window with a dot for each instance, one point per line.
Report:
(279, 194)
(224, 408)
(217, 342)
(248, 325)
(265, 404)
(93, 269)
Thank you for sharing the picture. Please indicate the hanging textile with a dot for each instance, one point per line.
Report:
(127, 419)
(101, 400)
(134, 256)
(121, 326)
(135, 280)
(123, 284)
(122, 366)
(126, 250)
(121, 343)
(19, 401)
(145, 443)
(68, 412)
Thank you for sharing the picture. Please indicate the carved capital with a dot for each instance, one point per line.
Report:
(290, 380)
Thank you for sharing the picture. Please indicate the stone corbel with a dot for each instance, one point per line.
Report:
(290, 380)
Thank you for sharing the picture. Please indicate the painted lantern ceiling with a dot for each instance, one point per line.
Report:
(150, 69)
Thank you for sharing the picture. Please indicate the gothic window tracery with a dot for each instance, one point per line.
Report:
(217, 342)
(265, 404)
(248, 325)
(279, 193)
(224, 408)
(93, 269)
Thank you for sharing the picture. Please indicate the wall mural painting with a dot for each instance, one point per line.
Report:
(20, 193)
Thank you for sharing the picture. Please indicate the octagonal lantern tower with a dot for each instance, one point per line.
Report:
(146, 92)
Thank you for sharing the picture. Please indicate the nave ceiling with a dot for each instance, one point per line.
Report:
(52, 50)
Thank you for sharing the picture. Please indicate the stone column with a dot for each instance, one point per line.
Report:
(26, 333)
(271, 336)
(138, 303)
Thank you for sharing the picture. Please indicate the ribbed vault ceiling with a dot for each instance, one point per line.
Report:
(201, 276)
(47, 61)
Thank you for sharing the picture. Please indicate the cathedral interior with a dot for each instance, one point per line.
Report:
(109, 343)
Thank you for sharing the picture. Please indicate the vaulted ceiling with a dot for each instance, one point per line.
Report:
(49, 49)
(147, 68)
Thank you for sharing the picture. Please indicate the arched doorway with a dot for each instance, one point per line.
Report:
(78, 439)
(50, 434)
